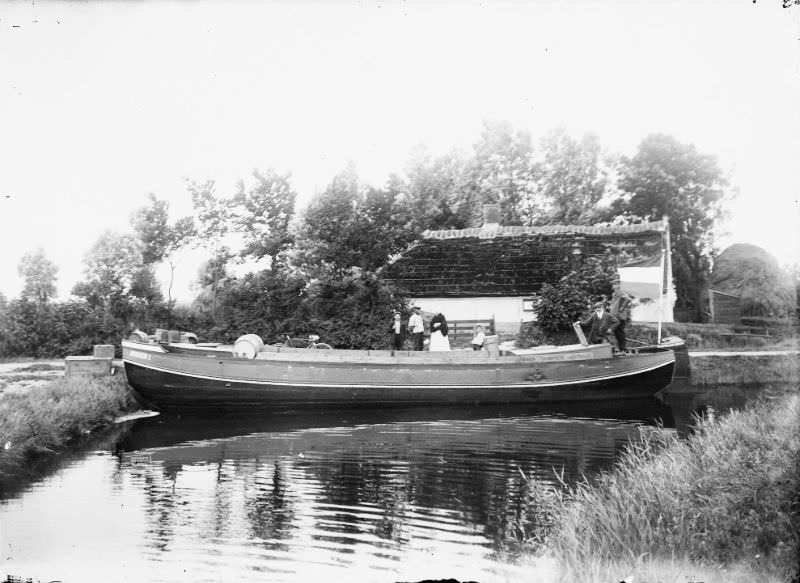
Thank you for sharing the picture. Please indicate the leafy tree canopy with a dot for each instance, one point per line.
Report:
(213, 217)
(669, 178)
(263, 214)
(39, 274)
(502, 172)
(159, 239)
(352, 226)
(438, 192)
(571, 178)
(117, 279)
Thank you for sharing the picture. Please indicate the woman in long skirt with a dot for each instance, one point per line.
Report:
(439, 340)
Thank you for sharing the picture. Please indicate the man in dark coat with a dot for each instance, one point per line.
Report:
(398, 332)
(600, 324)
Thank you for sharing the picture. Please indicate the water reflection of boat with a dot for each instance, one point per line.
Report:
(537, 444)
(341, 483)
(250, 375)
(166, 430)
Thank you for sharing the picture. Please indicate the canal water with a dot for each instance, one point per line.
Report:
(402, 495)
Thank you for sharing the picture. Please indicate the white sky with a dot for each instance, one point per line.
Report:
(101, 103)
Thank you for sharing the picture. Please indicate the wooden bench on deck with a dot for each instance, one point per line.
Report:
(462, 331)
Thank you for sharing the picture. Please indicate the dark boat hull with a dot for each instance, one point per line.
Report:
(210, 382)
(678, 347)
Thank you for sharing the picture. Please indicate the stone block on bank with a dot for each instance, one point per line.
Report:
(87, 366)
(103, 351)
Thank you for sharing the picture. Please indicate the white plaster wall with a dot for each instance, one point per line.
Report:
(506, 310)
(644, 283)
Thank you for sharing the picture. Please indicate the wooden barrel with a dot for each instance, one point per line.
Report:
(248, 346)
(138, 336)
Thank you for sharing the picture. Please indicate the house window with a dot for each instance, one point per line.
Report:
(527, 305)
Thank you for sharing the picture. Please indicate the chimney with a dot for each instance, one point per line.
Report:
(491, 221)
(491, 215)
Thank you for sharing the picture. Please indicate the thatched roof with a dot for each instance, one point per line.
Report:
(513, 261)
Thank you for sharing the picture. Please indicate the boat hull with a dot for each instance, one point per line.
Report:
(209, 380)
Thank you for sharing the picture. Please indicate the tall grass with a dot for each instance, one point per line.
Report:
(726, 496)
(48, 418)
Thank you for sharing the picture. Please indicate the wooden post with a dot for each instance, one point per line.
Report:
(580, 334)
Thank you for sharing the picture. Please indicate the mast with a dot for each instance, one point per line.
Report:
(666, 270)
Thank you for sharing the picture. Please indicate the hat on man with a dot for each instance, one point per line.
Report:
(599, 305)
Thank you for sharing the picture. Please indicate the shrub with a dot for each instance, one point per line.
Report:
(561, 304)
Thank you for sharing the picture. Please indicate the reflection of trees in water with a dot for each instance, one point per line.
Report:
(354, 481)
(269, 510)
(506, 491)
(223, 492)
(487, 489)
(159, 495)
(173, 510)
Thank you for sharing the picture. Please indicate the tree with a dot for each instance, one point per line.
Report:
(351, 225)
(502, 172)
(212, 276)
(570, 179)
(668, 178)
(352, 311)
(214, 219)
(213, 215)
(117, 279)
(329, 226)
(380, 227)
(263, 215)
(753, 274)
(159, 240)
(39, 274)
(267, 303)
(437, 194)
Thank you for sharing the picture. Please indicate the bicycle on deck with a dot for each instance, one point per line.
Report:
(311, 342)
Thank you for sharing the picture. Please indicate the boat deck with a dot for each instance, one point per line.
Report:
(538, 354)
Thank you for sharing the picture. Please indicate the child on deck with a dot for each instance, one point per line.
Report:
(479, 338)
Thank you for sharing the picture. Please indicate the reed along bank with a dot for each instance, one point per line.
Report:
(36, 423)
(722, 504)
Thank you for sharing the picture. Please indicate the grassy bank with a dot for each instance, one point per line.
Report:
(744, 368)
(722, 505)
(47, 419)
(718, 336)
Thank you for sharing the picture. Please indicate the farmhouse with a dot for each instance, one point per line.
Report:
(496, 271)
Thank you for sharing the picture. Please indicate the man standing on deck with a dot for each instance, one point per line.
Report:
(621, 310)
(601, 324)
(398, 332)
(416, 328)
